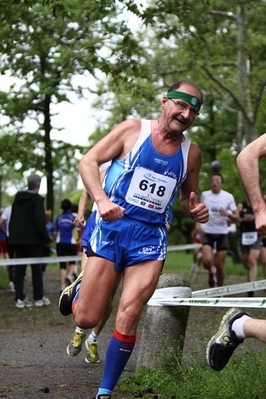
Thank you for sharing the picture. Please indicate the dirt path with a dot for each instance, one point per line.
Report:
(33, 359)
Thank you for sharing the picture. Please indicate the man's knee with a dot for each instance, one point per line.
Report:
(84, 320)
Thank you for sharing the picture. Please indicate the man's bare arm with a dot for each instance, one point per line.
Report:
(248, 166)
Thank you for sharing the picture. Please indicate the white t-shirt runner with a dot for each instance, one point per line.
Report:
(217, 223)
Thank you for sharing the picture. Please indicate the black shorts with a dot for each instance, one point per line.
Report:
(65, 249)
(218, 241)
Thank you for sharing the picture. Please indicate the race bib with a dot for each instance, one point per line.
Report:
(150, 190)
(249, 238)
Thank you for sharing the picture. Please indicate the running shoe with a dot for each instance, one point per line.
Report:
(67, 296)
(222, 345)
(211, 280)
(103, 396)
(195, 268)
(11, 287)
(25, 303)
(42, 302)
(75, 345)
(92, 355)
(251, 293)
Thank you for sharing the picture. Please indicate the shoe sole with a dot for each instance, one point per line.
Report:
(92, 361)
(64, 293)
(39, 305)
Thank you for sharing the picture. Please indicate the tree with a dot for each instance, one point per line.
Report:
(44, 52)
(219, 40)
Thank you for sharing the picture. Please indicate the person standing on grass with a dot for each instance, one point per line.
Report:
(27, 235)
(236, 325)
(221, 205)
(152, 162)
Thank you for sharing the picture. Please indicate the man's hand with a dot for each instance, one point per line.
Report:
(79, 221)
(198, 211)
(109, 211)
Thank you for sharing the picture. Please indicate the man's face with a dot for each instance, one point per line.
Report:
(216, 184)
(179, 114)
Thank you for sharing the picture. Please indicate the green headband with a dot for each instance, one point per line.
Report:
(186, 97)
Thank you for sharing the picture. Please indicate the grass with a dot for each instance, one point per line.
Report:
(242, 378)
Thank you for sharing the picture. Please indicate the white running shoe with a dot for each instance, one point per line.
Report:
(42, 302)
(25, 303)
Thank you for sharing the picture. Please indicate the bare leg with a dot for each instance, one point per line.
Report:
(219, 264)
(255, 328)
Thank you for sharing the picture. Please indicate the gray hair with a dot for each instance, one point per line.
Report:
(34, 181)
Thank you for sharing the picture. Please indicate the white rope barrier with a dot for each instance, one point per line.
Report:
(214, 302)
(53, 259)
(45, 259)
(170, 296)
(231, 289)
(183, 247)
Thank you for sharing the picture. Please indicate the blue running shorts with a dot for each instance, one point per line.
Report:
(127, 242)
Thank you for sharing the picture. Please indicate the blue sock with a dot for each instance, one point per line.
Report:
(117, 354)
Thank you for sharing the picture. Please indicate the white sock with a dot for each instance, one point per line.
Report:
(93, 337)
(78, 329)
(238, 326)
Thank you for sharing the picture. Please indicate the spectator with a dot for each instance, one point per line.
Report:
(4, 250)
(4, 226)
(250, 241)
(66, 243)
(50, 228)
(215, 242)
(77, 230)
(263, 255)
(27, 233)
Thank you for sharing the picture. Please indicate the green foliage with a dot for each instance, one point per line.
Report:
(197, 381)
(44, 44)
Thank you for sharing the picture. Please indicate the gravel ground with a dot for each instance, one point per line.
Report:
(33, 359)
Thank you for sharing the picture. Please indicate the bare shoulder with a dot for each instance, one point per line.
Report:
(194, 149)
(118, 142)
(124, 130)
(129, 124)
